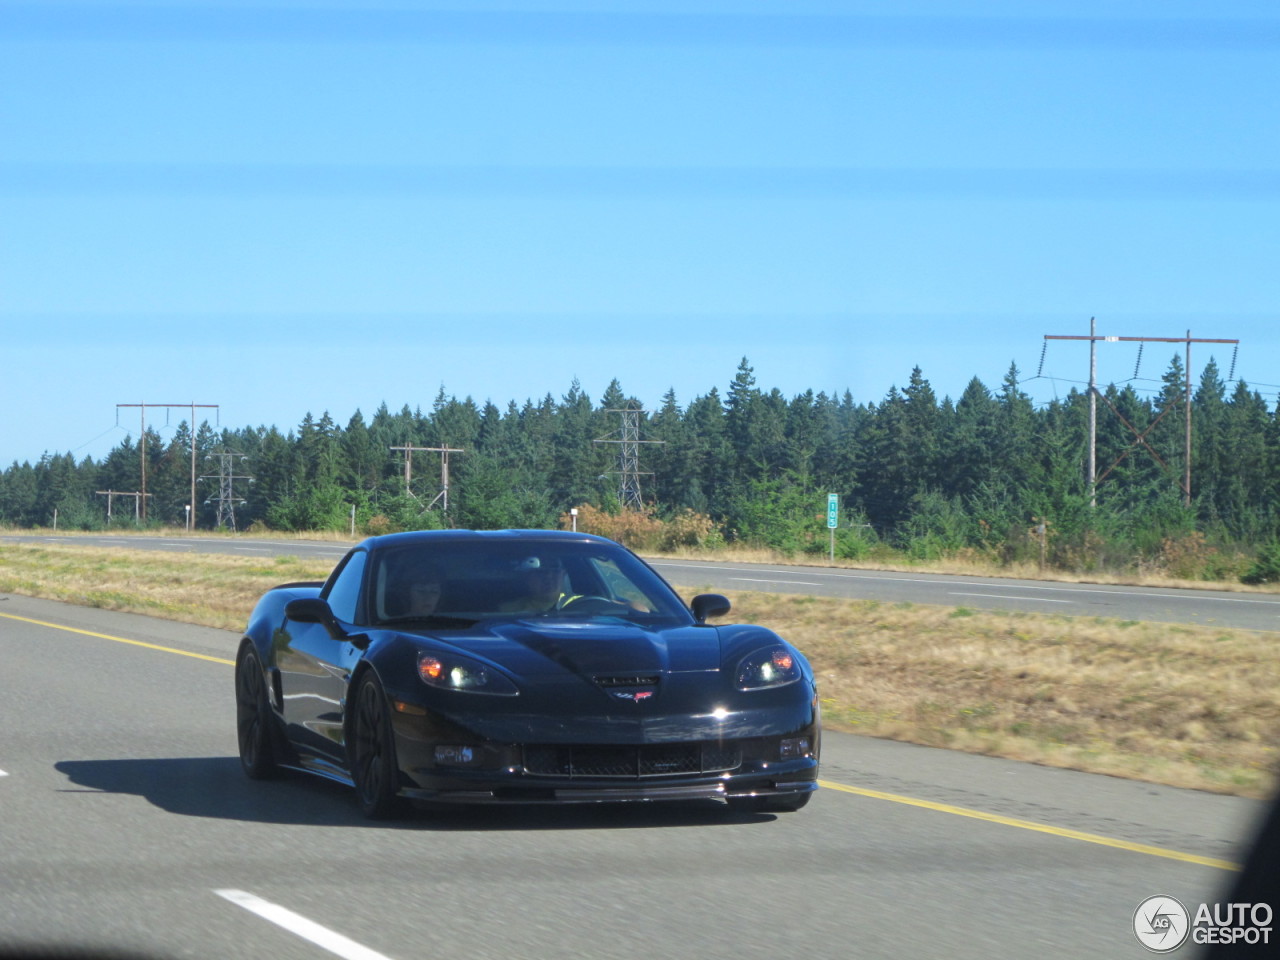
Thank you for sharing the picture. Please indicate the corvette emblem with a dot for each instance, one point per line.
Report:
(635, 696)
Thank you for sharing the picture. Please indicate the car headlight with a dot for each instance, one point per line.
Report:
(451, 672)
(770, 667)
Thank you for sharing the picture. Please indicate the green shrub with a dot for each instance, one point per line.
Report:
(1266, 568)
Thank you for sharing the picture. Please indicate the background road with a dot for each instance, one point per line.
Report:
(1209, 607)
(1247, 611)
(125, 815)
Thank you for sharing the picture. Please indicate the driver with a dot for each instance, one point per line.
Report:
(542, 583)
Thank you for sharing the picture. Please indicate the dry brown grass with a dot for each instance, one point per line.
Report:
(1185, 705)
(211, 589)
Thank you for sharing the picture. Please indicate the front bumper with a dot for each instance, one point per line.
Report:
(605, 773)
(615, 793)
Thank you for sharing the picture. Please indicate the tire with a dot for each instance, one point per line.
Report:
(373, 752)
(254, 718)
(768, 804)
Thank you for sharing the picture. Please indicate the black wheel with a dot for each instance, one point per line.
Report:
(783, 804)
(373, 752)
(253, 717)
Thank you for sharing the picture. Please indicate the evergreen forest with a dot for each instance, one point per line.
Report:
(988, 476)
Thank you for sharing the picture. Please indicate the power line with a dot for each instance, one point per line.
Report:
(443, 496)
(1093, 339)
(142, 445)
(138, 497)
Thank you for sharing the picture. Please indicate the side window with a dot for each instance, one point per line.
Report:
(344, 593)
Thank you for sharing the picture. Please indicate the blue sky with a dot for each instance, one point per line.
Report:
(311, 206)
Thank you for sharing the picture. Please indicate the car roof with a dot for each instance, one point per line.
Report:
(456, 536)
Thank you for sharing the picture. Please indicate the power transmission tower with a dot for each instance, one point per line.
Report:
(226, 478)
(629, 473)
(1140, 437)
(443, 496)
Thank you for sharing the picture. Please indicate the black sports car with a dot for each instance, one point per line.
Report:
(520, 666)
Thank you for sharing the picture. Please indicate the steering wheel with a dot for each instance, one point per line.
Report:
(593, 604)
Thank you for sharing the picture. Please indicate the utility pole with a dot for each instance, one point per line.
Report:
(443, 496)
(1093, 339)
(628, 440)
(1093, 412)
(143, 449)
(110, 494)
(226, 478)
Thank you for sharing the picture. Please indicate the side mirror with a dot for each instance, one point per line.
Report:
(314, 610)
(308, 610)
(707, 605)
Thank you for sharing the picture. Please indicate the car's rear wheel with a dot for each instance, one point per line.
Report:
(783, 804)
(373, 752)
(253, 717)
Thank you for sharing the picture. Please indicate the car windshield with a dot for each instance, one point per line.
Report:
(458, 583)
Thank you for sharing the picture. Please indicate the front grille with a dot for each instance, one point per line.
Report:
(646, 760)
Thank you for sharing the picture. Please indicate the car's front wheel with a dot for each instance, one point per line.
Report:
(253, 717)
(373, 752)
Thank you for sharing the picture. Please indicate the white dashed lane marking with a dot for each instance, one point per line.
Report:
(300, 926)
(996, 596)
(805, 583)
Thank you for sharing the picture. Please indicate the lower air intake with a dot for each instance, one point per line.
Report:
(635, 762)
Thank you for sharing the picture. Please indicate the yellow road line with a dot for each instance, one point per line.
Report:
(1037, 827)
(107, 636)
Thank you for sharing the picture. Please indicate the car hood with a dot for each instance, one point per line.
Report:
(549, 647)
(579, 678)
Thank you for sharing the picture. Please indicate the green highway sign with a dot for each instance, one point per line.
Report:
(833, 510)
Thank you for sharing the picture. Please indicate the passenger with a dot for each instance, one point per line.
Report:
(424, 596)
(417, 593)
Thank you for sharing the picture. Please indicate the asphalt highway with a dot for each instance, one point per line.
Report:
(1247, 611)
(128, 826)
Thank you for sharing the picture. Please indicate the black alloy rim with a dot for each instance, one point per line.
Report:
(370, 715)
(249, 687)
